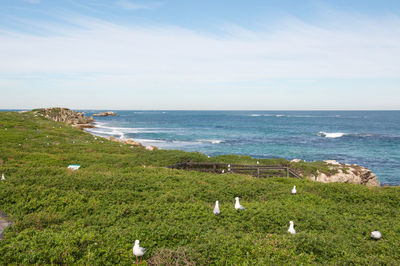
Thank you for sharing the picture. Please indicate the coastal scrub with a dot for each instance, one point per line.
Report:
(122, 193)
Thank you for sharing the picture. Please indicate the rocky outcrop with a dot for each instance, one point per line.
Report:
(106, 114)
(132, 143)
(347, 173)
(127, 141)
(77, 119)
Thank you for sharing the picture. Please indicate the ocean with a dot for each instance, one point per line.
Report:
(367, 138)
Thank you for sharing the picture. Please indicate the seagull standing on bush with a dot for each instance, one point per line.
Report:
(291, 228)
(3, 177)
(138, 251)
(376, 235)
(216, 208)
(294, 191)
(239, 207)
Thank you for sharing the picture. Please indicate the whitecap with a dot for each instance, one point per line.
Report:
(150, 140)
(331, 135)
(212, 141)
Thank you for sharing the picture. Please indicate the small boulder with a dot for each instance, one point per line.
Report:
(296, 160)
(333, 162)
(151, 148)
(132, 142)
(105, 114)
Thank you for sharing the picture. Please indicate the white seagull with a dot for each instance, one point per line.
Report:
(376, 235)
(3, 177)
(291, 228)
(138, 251)
(238, 206)
(294, 191)
(258, 162)
(223, 171)
(216, 208)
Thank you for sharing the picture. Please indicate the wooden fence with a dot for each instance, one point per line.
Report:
(253, 170)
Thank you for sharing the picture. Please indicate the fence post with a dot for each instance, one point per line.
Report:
(287, 171)
(258, 172)
(214, 167)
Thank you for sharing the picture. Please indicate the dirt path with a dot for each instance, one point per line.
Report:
(3, 223)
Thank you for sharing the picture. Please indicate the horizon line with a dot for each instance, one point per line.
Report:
(192, 110)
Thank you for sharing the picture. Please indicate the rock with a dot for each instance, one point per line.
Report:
(106, 114)
(297, 160)
(128, 141)
(4, 222)
(346, 173)
(132, 142)
(77, 119)
(112, 138)
(333, 162)
(151, 148)
(82, 126)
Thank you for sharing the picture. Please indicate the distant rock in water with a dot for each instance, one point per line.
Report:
(347, 173)
(76, 119)
(106, 114)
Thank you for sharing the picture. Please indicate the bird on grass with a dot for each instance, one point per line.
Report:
(216, 208)
(291, 228)
(294, 191)
(376, 235)
(3, 177)
(138, 251)
(258, 162)
(239, 207)
(223, 171)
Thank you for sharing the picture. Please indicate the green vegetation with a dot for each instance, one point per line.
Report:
(93, 215)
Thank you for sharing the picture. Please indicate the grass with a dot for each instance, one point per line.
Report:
(93, 215)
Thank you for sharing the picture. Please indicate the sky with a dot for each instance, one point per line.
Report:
(200, 55)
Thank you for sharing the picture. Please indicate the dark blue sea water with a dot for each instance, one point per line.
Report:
(367, 138)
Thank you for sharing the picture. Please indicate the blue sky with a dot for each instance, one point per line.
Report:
(240, 55)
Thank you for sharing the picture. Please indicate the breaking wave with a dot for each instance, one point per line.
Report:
(333, 135)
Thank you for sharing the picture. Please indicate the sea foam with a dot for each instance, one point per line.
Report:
(331, 135)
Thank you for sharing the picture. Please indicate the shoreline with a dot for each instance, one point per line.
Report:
(129, 141)
(347, 173)
(117, 186)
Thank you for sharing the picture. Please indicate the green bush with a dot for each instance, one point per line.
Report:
(93, 215)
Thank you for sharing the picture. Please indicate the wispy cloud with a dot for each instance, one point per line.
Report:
(33, 1)
(128, 5)
(159, 60)
(371, 49)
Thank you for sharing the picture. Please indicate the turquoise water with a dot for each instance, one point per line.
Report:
(367, 138)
